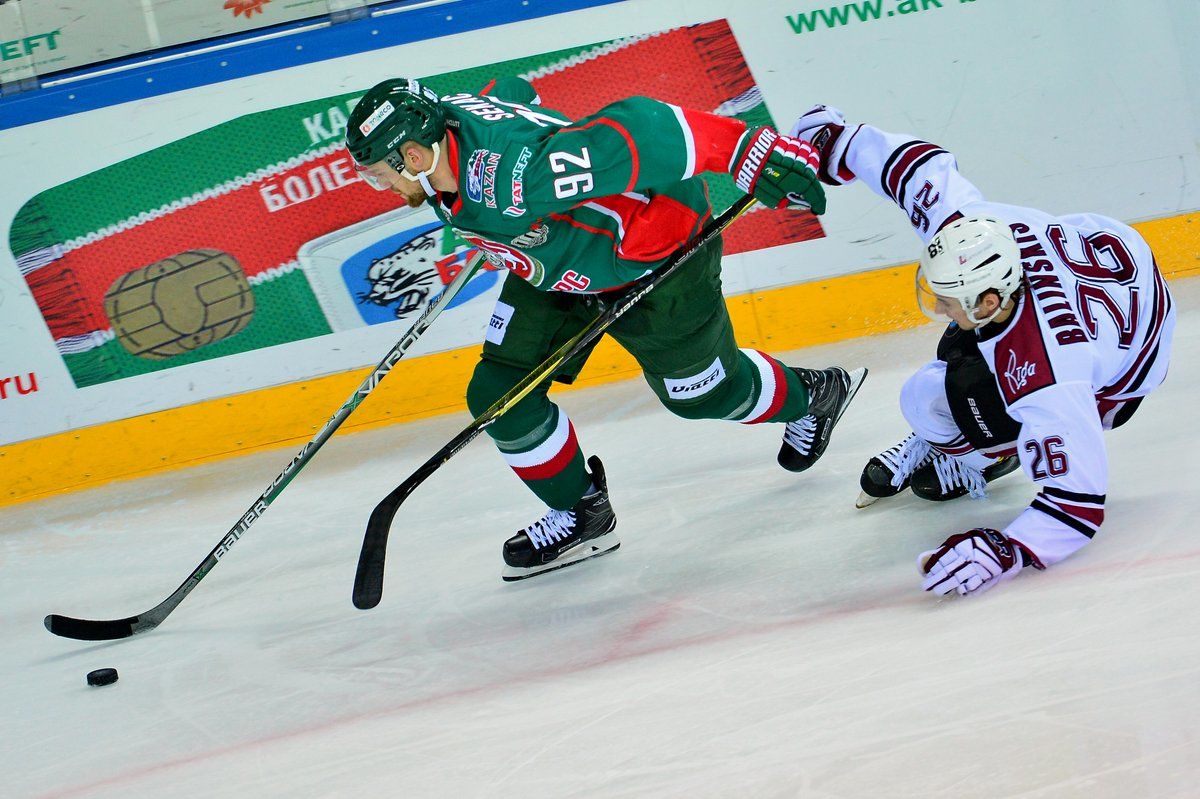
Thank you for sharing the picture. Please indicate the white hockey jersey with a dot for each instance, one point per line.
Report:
(1091, 331)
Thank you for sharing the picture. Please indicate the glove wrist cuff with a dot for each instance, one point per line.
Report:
(832, 142)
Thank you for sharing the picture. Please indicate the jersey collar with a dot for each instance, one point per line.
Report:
(451, 202)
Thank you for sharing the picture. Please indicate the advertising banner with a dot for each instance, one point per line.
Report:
(181, 21)
(38, 37)
(41, 37)
(257, 232)
(188, 237)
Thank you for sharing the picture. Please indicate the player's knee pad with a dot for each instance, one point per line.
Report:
(712, 393)
(718, 404)
(923, 396)
(491, 381)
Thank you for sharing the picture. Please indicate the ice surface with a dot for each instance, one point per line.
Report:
(755, 635)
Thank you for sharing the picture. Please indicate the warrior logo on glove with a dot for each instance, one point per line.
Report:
(781, 172)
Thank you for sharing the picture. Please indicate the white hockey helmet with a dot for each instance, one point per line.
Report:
(966, 258)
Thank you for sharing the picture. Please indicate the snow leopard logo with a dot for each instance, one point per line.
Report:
(404, 277)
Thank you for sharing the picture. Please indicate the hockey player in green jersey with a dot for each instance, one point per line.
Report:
(577, 210)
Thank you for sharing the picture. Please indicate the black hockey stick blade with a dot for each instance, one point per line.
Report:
(368, 579)
(86, 630)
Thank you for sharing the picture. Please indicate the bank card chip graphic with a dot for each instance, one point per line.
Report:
(110, 256)
(179, 304)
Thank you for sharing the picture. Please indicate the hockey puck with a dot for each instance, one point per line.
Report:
(102, 677)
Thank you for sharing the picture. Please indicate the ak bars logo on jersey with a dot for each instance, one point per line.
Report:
(481, 179)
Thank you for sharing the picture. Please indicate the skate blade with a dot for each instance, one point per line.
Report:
(865, 499)
(856, 380)
(857, 377)
(594, 548)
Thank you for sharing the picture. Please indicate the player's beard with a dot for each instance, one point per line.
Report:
(415, 198)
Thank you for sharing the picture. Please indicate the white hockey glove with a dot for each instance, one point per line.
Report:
(824, 127)
(970, 562)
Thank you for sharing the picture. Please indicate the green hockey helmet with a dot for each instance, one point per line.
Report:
(389, 114)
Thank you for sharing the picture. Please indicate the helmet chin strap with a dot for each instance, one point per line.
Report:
(977, 321)
(423, 177)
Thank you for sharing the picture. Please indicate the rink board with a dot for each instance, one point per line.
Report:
(867, 303)
(194, 165)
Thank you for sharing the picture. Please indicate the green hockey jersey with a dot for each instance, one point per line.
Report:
(579, 206)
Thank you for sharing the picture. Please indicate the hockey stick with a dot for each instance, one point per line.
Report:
(368, 580)
(89, 630)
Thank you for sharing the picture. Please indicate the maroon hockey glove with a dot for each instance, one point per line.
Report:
(779, 171)
(970, 562)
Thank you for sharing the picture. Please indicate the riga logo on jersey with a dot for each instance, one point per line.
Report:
(1018, 375)
(534, 237)
(1021, 353)
(378, 115)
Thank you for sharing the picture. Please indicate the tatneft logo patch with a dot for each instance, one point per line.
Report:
(378, 115)
(683, 388)
(501, 315)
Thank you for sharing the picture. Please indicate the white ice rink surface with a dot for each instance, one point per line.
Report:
(755, 635)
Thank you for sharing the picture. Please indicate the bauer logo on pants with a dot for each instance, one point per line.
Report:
(498, 324)
(686, 388)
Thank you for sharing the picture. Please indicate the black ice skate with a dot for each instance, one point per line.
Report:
(890, 472)
(945, 478)
(565, 537)
(829, 394)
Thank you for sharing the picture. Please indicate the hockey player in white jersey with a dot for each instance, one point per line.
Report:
(1060, 326)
